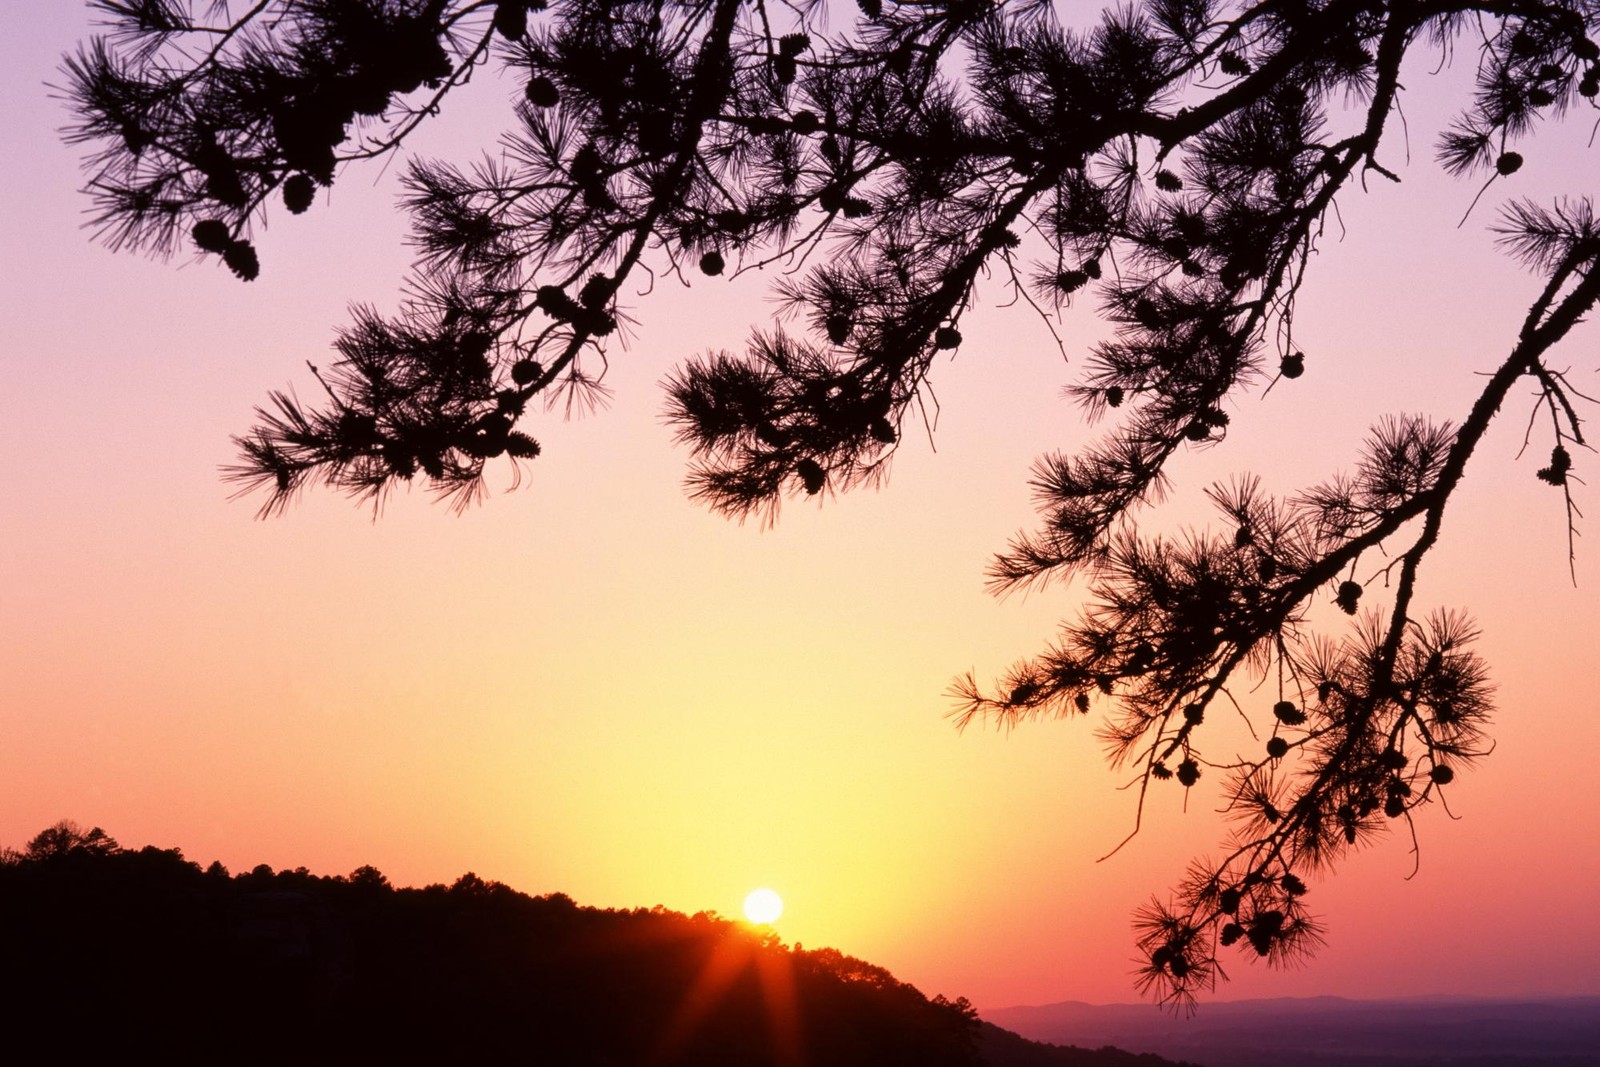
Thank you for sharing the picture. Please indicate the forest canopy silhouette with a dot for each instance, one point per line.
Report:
(1171, 168)
(117, 949)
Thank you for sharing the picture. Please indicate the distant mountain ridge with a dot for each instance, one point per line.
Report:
(1427, 1031)
(138, 955)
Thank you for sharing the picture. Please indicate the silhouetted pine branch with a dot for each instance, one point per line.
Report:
(1172, 166)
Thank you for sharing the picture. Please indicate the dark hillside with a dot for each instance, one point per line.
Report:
(111, 950)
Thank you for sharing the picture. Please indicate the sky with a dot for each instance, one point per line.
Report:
(590, 685)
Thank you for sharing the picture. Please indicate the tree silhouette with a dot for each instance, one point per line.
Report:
(67, 838)
(319, 969)
(1177, 162)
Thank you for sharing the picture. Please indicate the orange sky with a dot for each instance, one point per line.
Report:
(592, 686)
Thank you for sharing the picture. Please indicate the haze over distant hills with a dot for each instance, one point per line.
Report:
(1333, 1031)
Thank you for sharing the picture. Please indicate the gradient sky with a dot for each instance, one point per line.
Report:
(590, 685)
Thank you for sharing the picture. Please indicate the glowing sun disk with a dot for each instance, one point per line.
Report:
(763, 906)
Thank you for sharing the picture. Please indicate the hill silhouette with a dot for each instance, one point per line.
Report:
(120, 951)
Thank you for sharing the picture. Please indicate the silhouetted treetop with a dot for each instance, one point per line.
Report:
(68, 839)
(1171, 166)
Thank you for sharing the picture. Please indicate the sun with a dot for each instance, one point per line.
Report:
(763, 906)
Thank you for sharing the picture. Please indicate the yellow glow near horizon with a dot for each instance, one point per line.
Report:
(763, 906)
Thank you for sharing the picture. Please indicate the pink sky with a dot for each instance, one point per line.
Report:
(592, 686)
